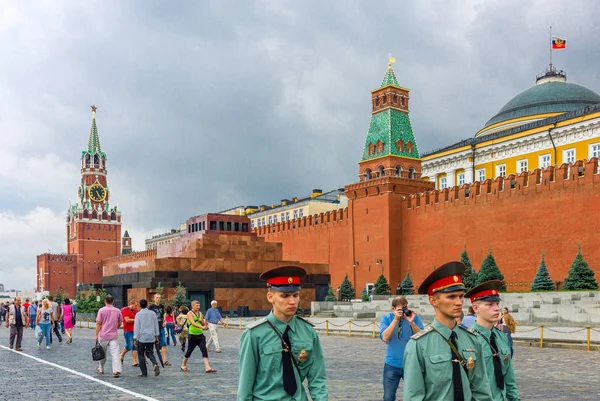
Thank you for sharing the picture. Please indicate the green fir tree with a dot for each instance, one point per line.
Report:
(364, 296)
(160, 290)
(330, 295)
(406, 287)
(382, 287)
(581, 277)
(542, 280)
(347, 290)
(469, 278)
(490, 271)
(180, 297)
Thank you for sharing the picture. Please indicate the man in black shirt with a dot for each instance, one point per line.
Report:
(159, 309)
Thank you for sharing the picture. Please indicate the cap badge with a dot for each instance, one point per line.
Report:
(455, 279)
(290, 280)
(494, 292)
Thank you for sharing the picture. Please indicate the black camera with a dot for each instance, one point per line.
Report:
(406, 311)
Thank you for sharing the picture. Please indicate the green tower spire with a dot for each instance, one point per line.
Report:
(390, 132)
(94, 141)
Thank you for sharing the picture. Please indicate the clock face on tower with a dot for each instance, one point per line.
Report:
(97, 192)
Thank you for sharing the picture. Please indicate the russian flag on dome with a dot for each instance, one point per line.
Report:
(559, 43)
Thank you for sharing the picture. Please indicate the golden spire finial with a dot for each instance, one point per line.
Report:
(391, 60)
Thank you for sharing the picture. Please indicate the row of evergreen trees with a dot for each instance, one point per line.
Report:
(581, 277)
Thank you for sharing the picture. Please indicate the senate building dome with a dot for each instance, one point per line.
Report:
(551, 96)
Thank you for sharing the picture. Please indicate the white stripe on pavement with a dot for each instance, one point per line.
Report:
(124, 390)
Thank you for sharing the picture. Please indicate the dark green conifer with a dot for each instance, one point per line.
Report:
(581, 277)
(542, 280)
(490, 271)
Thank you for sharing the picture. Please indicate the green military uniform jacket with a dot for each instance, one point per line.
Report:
(509, 392)
(261, 369)
(428, 366)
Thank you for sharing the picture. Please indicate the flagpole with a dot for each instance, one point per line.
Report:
(550, 48)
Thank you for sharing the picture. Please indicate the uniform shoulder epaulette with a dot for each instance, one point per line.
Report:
(471, 331)
(257, 323)
(305, 321)
(427, 329)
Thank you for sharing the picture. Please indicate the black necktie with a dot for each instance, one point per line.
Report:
(289, 380)
(456, 377)
(497, 363)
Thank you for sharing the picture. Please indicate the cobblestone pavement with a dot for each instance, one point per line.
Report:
(354, 368)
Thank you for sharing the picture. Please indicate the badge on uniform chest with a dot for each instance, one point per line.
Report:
(303, 356)
(470, 363)
(506, 358)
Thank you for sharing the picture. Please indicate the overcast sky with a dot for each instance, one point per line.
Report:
(203, 106)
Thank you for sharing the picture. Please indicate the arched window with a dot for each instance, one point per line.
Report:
(113, 216)
(395, 98)
(384, 99)
(399, 171)
(402, 101)
(371, 149)
(104, 215)
(377, 102)
(409, 147)
(380, 147)
(400, 145)
(96, 159)
(411, 172)
(380, 171)
(94, 215)
(85, 214)
(87, 160)
(368, 174)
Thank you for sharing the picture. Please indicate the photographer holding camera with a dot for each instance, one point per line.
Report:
(396, 329)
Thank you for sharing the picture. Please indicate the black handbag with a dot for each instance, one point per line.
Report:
(98, 353)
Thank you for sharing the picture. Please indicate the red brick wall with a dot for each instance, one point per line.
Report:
(542, 213)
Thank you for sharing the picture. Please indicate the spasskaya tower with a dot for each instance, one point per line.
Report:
(93, 227)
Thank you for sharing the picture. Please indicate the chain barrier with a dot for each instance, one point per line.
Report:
(565, 332)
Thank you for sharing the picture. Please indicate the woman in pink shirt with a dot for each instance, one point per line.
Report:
(68, 319)
(169, 324)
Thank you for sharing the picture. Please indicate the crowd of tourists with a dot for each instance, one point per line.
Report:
(146, 328)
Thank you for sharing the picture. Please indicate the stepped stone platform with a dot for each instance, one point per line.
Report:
(562, 308)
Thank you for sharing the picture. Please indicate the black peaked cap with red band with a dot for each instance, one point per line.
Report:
(284, 278)
(488, 291)
(446, 278)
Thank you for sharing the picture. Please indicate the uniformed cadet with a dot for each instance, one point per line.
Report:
(444, 361)
(485, 300)
(278, 352)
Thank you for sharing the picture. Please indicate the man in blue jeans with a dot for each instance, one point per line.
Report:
(396, 329)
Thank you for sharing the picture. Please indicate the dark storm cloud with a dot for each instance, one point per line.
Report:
(209, 105)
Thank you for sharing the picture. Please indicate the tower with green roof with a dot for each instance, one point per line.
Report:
(390, 147)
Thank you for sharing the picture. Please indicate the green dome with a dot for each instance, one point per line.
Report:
(548, 97)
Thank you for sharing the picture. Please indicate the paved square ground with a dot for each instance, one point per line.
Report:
(354, 368)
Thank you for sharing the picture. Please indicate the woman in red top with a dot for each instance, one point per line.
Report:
(169, 324)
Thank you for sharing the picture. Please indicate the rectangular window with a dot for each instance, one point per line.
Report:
(263, 221)
(236, 227)
(282, 216)
(569, 156)
(595, 150)
(461, 178)
(245, 227)
(443, 183)
(213, 226)
(275, 219)
(270, 220)
(544, 161)
(301, 214)
(287, 215)
(228, 226)
(481, 174)
(258, 222)
(295, 214)
(501, 170)
(522, 166)
(221, 226)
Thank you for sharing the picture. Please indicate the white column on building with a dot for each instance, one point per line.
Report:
(450, 178)
(469, 179)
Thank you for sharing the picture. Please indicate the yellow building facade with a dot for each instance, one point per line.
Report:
(552, 123)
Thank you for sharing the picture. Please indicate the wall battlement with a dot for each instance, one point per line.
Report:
(581, 173)
(150, 253)
(332, 217)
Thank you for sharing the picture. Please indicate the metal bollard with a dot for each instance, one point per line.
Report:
(349, 328)
(241, 322)
(541, 336)
(589, 339)
(226, 322)
(326, 327)
(373, 329)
